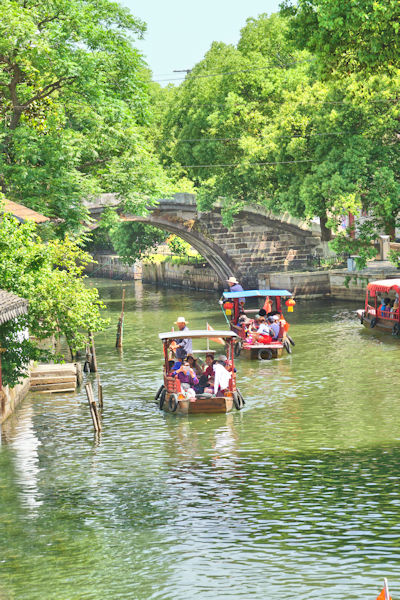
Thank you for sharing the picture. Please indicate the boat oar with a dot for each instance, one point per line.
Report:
(223, 312)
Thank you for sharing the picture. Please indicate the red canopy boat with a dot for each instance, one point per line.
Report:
(233, 308)
(377, 313)
(170, 396)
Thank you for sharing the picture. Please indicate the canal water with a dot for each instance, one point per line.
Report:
(295, 497)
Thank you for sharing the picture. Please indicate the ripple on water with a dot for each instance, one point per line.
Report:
(296, 496)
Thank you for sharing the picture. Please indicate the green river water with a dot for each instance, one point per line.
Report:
(295, 497)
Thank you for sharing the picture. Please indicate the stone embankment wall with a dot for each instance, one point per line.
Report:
(110, 267)
(11, 397)
(188, 276)
(337, 284)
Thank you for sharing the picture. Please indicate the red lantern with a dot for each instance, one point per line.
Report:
(228, 308)
(290, 303)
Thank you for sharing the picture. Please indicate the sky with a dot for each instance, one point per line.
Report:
(179, 32)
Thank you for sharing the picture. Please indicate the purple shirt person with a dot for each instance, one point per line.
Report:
(235, 286)
(186, 375)
(184, 345)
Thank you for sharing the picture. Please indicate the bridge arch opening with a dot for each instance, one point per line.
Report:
(218, 260)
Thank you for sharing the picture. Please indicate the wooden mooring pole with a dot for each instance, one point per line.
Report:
(94, 413)
(93, 359)
(120, 327)
(99, 392)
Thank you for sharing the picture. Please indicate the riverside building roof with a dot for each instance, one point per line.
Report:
(11, 306)
(23, 213)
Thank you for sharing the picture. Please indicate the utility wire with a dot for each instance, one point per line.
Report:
(262, 137)
(283, 162)
(258, 135)
(267, 67)
(393, 100)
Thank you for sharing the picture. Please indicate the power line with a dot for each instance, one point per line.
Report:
(283, 162)
(267, 67)
(261, 136)
(393, 100)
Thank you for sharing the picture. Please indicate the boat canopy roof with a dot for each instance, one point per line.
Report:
(256, 293)
(384, 285)
(197, 333)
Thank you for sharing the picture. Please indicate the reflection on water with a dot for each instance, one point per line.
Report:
(296, 496)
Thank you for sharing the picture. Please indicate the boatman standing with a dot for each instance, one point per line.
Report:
(183, 345)
(235, 287)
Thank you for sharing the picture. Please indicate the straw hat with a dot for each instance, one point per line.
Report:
(180, 320)
(232, 280)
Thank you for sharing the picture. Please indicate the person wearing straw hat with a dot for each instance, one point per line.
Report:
(235, 286)
(183, 345)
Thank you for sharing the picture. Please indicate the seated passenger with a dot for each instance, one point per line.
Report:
(255, 324)
(176, 364)
(263, 335)
(274, 326)
(209, 371)
(221, 376)
(388, 304)
(207, 374)
(228, 366)
(194, 364)
(186, 375)
(209, 389)
(384, 306)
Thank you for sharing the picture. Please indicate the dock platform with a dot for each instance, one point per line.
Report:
(55, 378)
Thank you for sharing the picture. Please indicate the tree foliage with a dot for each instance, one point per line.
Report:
(261, 123)
(130, 240)
(50, 277)
(348, 35)
(74, 107)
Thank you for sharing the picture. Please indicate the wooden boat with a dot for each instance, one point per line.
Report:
(372, 316)
(170, 396)
(233, 310)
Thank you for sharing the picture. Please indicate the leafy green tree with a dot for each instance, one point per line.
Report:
(130, 240)
(348, 36)
(178, 246)
(73, 107)
(270, 130)
(222, 125)
(356, 45)
(50, 277)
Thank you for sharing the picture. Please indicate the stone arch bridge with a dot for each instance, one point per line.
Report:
(257, 242)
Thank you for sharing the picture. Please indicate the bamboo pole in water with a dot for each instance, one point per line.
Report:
(79, 376)
(120, 327)
(93, 359)
(99, 392)
(93, 408)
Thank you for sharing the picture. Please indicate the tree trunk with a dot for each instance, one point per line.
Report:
(326, 232)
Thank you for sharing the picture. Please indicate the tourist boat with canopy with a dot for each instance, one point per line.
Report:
(234, 309)
(381, 309)
(172, 398)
